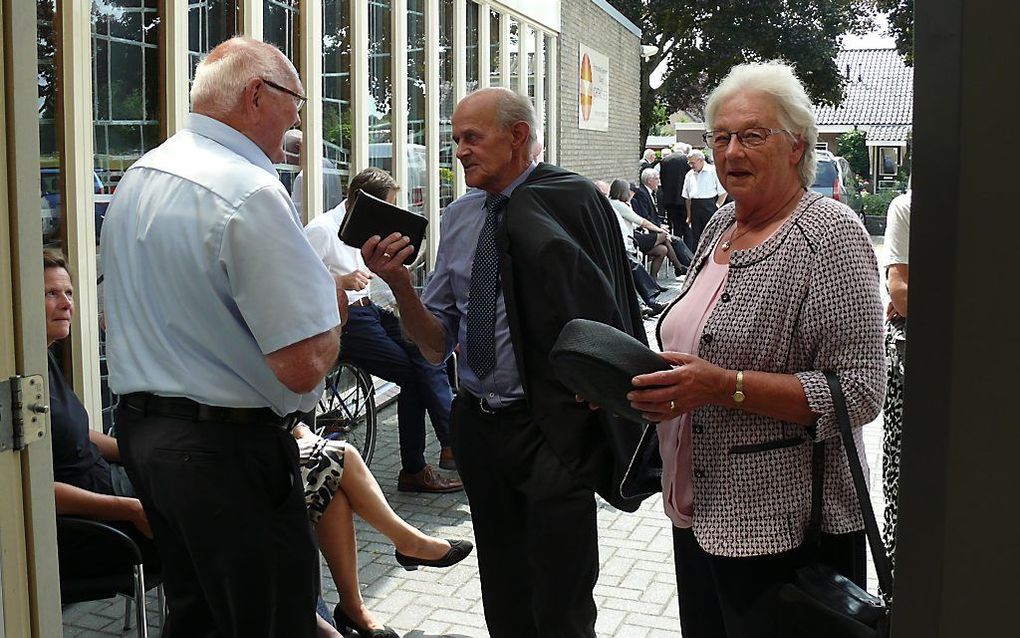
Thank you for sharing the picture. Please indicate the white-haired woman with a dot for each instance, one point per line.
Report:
(784, 286)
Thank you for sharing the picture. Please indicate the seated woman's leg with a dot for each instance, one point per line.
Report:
(658, 254)
(337, 484)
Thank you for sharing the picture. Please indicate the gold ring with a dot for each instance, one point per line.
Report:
(386, 255)
(672, 405)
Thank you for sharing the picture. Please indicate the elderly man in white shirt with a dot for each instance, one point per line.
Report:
(221, 325)
(703, 195)
(374, 341)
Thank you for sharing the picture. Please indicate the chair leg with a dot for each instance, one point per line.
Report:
(162, 606)
(127, 612)
(143, 626)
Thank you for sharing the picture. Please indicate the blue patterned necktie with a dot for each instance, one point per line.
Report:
(481, 318)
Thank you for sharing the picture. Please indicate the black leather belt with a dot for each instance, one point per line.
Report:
(364, 301)
(188, 410)
(479, 404)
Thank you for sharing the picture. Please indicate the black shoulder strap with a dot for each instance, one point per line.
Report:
(884, 571)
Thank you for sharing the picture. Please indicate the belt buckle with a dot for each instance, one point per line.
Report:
(484, 407)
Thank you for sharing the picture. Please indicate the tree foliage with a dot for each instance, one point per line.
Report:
(700, 40)
(901, 24)
(853, 147)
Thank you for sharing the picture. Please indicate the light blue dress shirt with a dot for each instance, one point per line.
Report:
(207, 270)
(447, 296)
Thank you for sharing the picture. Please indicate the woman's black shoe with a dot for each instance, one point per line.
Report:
(459, 550)
(346, 625)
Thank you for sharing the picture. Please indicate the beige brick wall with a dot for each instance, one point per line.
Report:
(597, 154)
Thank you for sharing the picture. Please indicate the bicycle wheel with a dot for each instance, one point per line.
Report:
(346, 410)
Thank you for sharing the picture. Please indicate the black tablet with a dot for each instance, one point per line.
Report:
(372, 216)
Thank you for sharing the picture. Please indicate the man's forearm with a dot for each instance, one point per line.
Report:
(419, 324)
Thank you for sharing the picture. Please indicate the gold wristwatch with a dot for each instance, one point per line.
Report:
(738, 394)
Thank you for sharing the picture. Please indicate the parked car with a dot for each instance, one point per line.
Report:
(834, 178)
(49, 204)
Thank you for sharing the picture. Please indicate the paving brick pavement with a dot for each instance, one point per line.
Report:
(636, 591)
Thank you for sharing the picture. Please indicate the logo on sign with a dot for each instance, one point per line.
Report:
(587, 94)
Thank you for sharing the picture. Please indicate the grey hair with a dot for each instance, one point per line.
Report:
(511, 108)
(222, 75)
(696, 153)
(793, 107)
(648, 174)
(681, 147)
(648, 155)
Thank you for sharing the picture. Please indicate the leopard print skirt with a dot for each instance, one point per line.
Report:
(892, 417)
(322, 465)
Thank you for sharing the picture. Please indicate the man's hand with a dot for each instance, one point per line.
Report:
(386, 256)
(356, 280)
(136, 516)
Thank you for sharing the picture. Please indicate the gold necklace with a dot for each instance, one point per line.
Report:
(734, 236)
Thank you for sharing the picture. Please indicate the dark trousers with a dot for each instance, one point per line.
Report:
(701, 213)
(534, 526)
(722, 597)
(373, 340)
(677, 214)
(646, 287)
(226, 507)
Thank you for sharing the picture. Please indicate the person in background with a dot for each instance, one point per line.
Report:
(221, 326)
(655, 242)
(529, 247)
(373, 341)
(332, 187)
(672, 171)
(897, 247)
(88, 480)
(647, 288)
(648, 160)
(784, 287)
(703, 194)
(644, 203)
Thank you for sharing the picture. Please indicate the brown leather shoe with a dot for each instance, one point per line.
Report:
(427, 480)
(446, 460)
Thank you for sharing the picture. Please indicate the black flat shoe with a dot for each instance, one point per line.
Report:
(346, 625)
(459, 550)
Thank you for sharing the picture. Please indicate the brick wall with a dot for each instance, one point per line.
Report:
(597, 154)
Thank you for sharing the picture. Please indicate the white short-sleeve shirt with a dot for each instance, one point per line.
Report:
(897, 231)
(341, 259)
(207, 270)
(702, 184)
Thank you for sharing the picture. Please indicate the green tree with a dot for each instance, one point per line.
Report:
(853, 146)
(700, 40)
(901, 24)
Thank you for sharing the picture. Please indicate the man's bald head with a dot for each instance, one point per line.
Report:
(221, 77)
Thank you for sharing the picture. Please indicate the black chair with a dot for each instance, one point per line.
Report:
(131, 583)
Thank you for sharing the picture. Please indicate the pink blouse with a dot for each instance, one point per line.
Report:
(681, 331)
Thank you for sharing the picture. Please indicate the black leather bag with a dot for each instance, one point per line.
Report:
(820, 601)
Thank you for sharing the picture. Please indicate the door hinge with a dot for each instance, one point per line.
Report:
(22, 412)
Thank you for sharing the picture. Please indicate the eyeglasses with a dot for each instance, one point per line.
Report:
(300, 98)
(748, 137)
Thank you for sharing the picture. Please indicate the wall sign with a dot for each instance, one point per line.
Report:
(593, 90)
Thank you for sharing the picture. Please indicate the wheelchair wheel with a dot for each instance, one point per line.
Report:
(346, 410)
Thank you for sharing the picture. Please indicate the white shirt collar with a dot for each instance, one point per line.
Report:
(230, 138)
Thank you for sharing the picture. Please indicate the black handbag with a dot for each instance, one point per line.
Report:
(820, 601)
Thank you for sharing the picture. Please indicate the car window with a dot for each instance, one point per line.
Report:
(825, 174)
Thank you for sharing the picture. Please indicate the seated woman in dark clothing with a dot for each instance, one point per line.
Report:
(85, 482)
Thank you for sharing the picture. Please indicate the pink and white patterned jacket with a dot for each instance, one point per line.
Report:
(804, 301)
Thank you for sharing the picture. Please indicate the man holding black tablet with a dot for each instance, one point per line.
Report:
(373, 341)
(528, 248)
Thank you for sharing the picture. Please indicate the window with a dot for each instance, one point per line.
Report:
(416, 163)
(51, 166)
(380, 43)
(515, 54)
(336, 100)
(280, 28)
(494, 72)
(888, 161)
(210, 22)
(446, 98)
(471, 48)
(125, 83)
